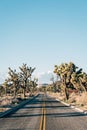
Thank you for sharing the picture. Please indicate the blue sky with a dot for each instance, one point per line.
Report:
(42, 34)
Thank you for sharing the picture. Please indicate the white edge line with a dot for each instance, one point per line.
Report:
(73, 107)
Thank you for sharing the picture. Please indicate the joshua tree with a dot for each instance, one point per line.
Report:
(71, 77)
(62, 71)
(25, 75)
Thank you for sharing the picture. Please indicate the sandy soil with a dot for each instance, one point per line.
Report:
(77, 100)
(7, 102)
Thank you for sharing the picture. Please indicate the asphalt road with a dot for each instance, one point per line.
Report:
(26, 118)
(44, 113)
(61, 117)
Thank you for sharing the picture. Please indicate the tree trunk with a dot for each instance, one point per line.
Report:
(66, 93)
(65, 88)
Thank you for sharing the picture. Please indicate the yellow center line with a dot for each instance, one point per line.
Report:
(44, 128)
(43, 118)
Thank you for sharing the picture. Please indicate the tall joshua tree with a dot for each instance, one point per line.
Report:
(25, 75)
(69, 76)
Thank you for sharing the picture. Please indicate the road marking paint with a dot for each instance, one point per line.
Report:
(43, 118)
(41, 121)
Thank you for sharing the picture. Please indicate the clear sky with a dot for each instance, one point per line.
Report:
(42, 33)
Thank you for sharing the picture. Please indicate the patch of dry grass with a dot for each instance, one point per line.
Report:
(82, 99)
(78, 100)
(7, 102)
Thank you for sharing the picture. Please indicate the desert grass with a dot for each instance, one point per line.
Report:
(76, 99)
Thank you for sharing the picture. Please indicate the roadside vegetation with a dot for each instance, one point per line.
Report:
(17, 87)
(71, 84)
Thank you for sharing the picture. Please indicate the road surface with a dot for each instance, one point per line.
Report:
(61, 117)
(44, 113)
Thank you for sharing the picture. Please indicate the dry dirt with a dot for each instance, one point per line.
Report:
(7, 102)
(77, 100)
